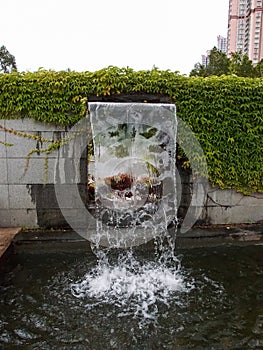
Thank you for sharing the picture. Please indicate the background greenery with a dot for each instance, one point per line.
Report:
(225, 112)
(218, 63)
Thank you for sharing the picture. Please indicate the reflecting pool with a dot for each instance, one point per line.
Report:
(201, 299)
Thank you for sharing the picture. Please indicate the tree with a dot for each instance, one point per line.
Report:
(218, 64)
(7, 61)
(259, 69)
(242, 66)
(198, 71)
(238, 64)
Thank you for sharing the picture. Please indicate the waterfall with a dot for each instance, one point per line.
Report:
(133, 191)
(134, 178)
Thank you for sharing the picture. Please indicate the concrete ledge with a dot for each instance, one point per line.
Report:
(47, 241)
(36, 241)
(211, 236)
(6, 237)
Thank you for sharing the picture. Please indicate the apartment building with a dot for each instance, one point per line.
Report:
(245, 28)
(222, 43)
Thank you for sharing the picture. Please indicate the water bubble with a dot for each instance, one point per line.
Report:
(136, 287)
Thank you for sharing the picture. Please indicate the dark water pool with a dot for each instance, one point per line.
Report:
(218, 304)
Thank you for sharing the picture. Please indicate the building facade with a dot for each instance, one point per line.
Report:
(205, 59)
(245, 28)
(222, 43)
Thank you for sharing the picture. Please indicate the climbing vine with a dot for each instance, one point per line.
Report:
(225, 113)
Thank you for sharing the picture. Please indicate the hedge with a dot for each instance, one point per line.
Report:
(225, 113)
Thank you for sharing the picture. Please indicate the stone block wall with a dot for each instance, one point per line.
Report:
(27, 200)
(228, 206)
(219, 207)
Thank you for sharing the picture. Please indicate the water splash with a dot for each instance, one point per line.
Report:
(136, 287)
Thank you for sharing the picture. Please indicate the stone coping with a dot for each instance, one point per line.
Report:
(198, 237)
(205, 236)
(7, 235)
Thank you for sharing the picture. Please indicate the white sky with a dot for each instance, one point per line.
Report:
(87, 35)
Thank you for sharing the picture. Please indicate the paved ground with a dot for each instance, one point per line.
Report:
(6, 237)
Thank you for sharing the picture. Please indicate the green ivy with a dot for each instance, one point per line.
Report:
(225, 113)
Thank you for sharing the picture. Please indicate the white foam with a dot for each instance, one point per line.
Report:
(137, 288)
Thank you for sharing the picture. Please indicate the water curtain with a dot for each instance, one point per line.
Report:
(132, 187)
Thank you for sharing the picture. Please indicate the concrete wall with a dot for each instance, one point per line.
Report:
(25, 200)
(220, 207)
(228, 206)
